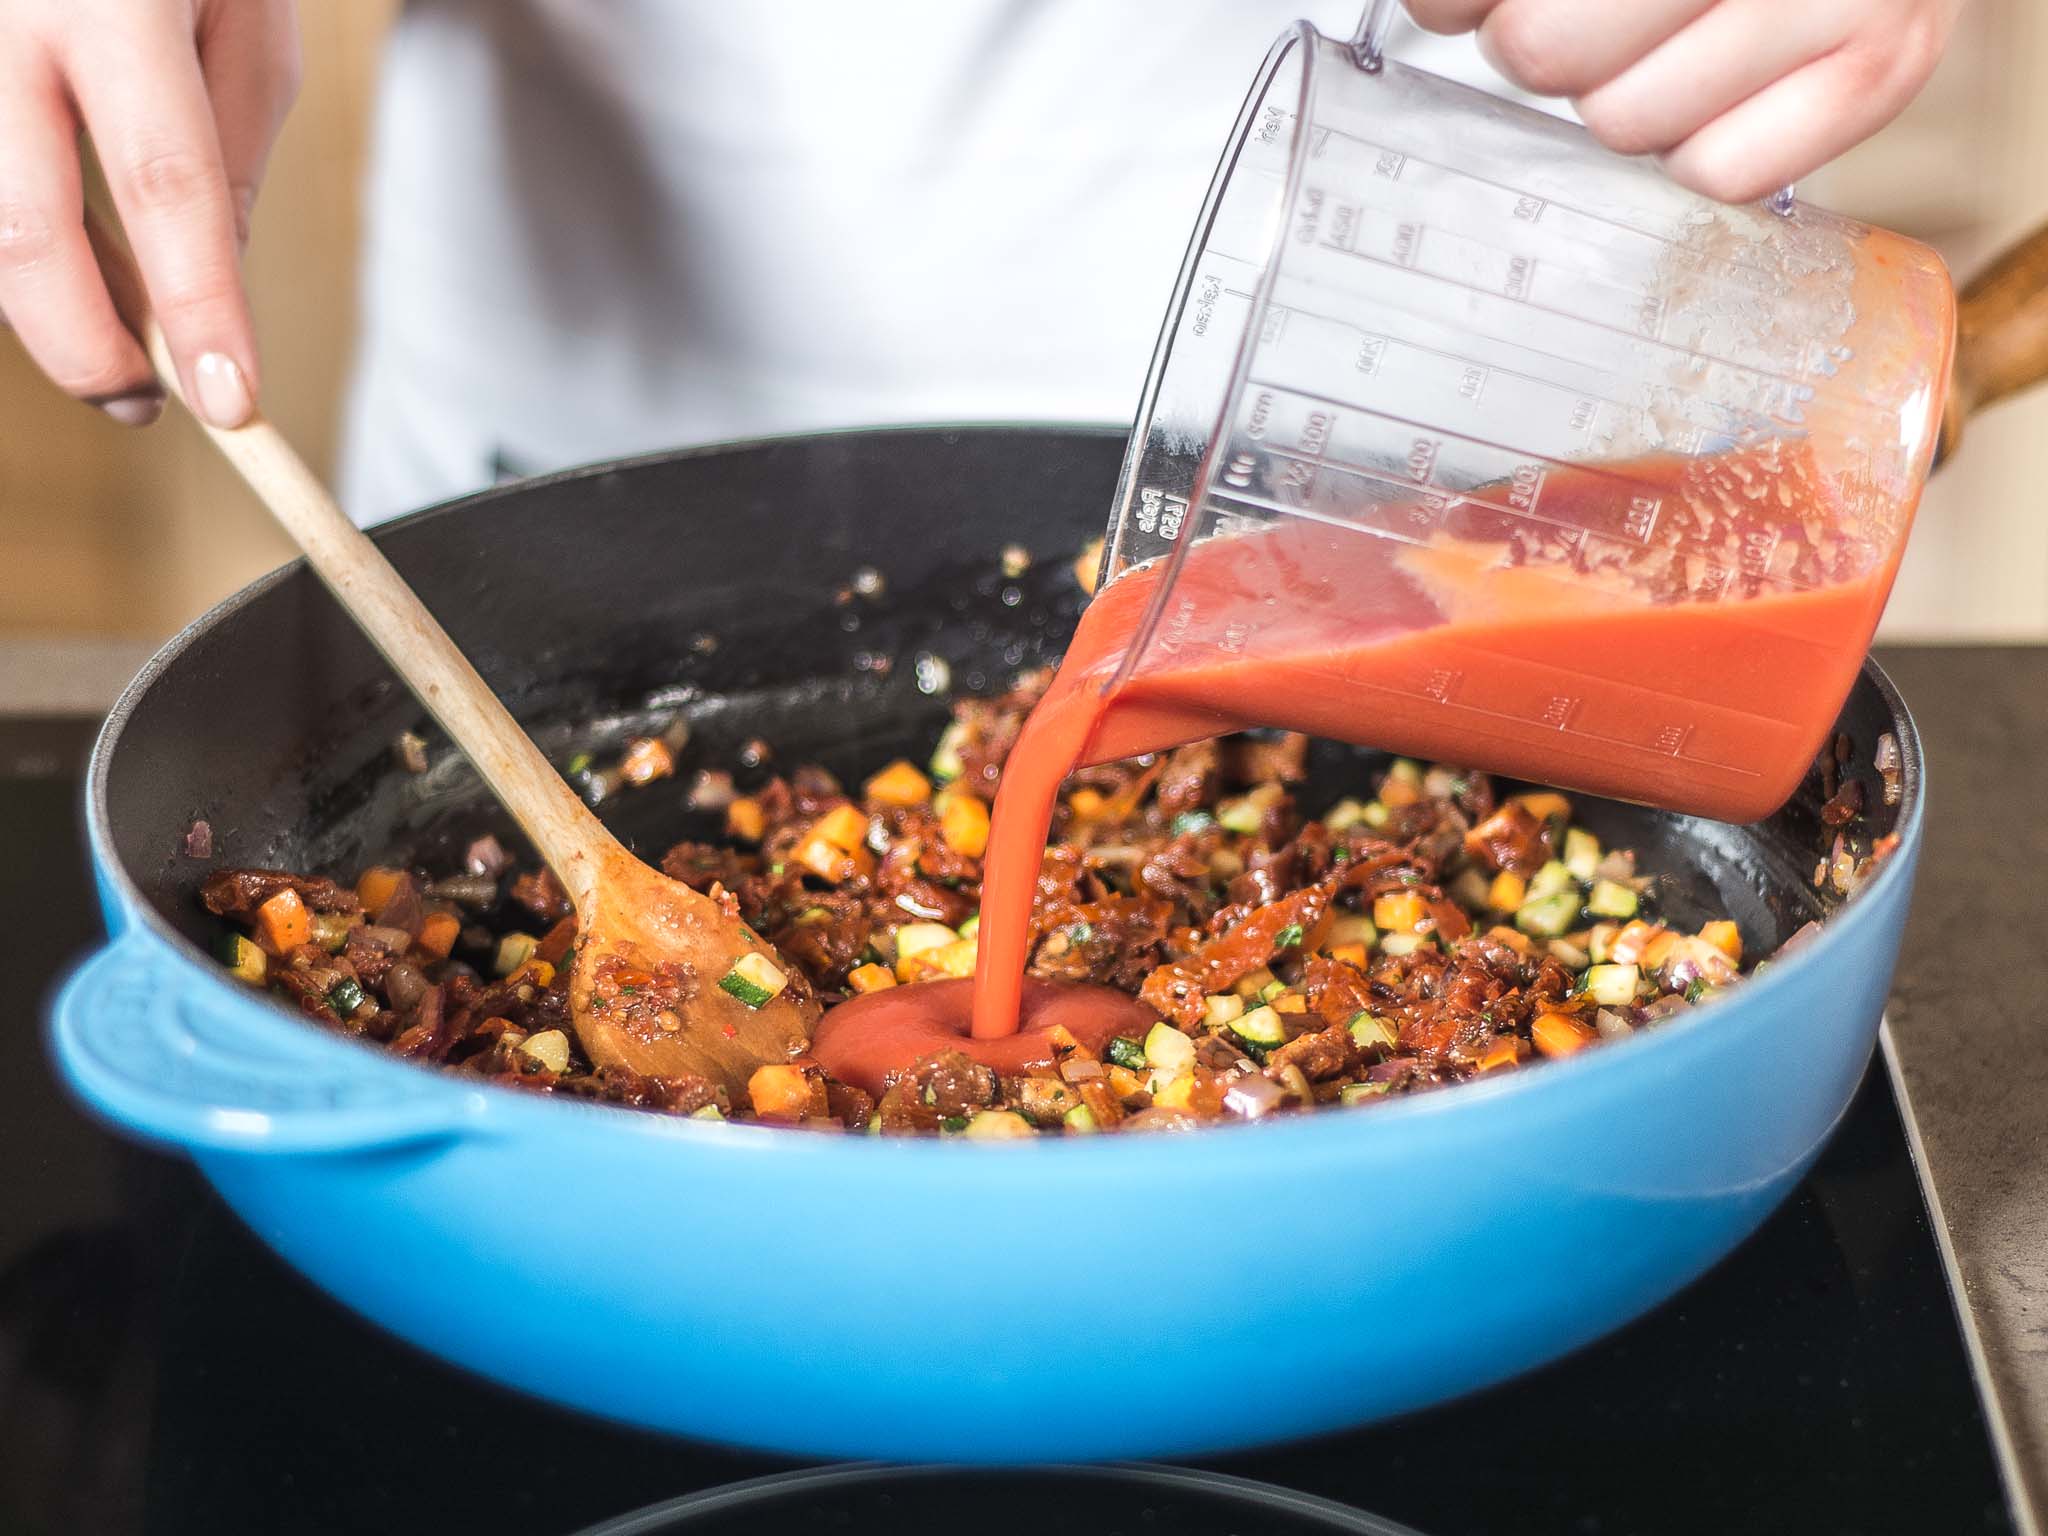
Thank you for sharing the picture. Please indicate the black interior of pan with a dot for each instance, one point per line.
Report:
(723, 586)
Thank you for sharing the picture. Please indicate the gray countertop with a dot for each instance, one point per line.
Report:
(1968, 1032)
(1969, 1022)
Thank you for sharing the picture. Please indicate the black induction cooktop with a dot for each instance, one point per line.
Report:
(161, 1372)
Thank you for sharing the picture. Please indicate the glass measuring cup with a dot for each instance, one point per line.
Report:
(1467, 438)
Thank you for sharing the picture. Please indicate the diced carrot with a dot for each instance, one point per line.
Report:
(745, 819)
(1086, 803)
(1659, 949)
(1399, 911)
(1350, 954)
(1065, 1044)
(374, 888)
(437, 935)
(1507, 892)
(1290, 1002)
(1555, 1034)
(899, 784)
(779, 1092)
(828, 861)
(1725, 937)
(556, 943)
(1088, 565)
(1124, 1082)
(952, 960)
(844, 826)
(646, 760)
(1634, 938)
(283, 923)
(1396, 793)
(535, 970)
(1545, 805)
(963, 822)
(1503, 1053)
(1513, 938)
(1177, 1094)
(870, 978)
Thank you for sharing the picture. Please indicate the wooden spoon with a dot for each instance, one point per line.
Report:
(666, 981)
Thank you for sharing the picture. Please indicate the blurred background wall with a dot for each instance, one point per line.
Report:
(109, 541)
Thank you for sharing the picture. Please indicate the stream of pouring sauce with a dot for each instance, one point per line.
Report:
(1443, 650)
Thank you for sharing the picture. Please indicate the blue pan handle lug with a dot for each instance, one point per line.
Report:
(175, 1056)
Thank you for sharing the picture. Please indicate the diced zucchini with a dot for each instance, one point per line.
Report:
(1271, 990)
(1082, 1119)
(1289, 937)
(1167, 1049)
(514, 950)
(1123, 1051)
(1360, 1093)
(1471, 890)
(915, 939)
(1252, 985)
(1610, 898)
(1262, 1027)
(1581, 854)
(1192, 821)
(996, 1125)
(945, 763)
(345, 996)
(1351, 928)
(971, 927)
(1399, 944)
(550, 1048)
(1240, 816)
(243, 957)
(1407, 771)
(1545, 917)
(1550, 879)
(1613, 986)
(754, 980)
(1369, 1031)
(1600, 942)
(707, 1112)
(1218, 1009)
(330, 930)
(1347, 812)
(1375, 814)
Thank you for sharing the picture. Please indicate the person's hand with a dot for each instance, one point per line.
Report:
(182, 99)
(1737, 97)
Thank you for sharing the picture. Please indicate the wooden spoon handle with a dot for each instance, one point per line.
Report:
(2001, 334)
(570, 838)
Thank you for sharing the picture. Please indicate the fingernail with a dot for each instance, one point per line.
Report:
(223, 391)
(138, 408)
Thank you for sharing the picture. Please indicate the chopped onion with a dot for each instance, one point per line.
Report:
(199, 840)
(1254, 1096)
(487, 856)
(712, 790)
(404, 985)
(1612, 1025)
(394, 941)
(1080, 1071)
(1890, 768)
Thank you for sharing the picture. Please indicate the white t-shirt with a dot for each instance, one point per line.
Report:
(599, 227)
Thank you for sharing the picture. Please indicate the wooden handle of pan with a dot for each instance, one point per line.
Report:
(377, 598)
(2001, 334)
